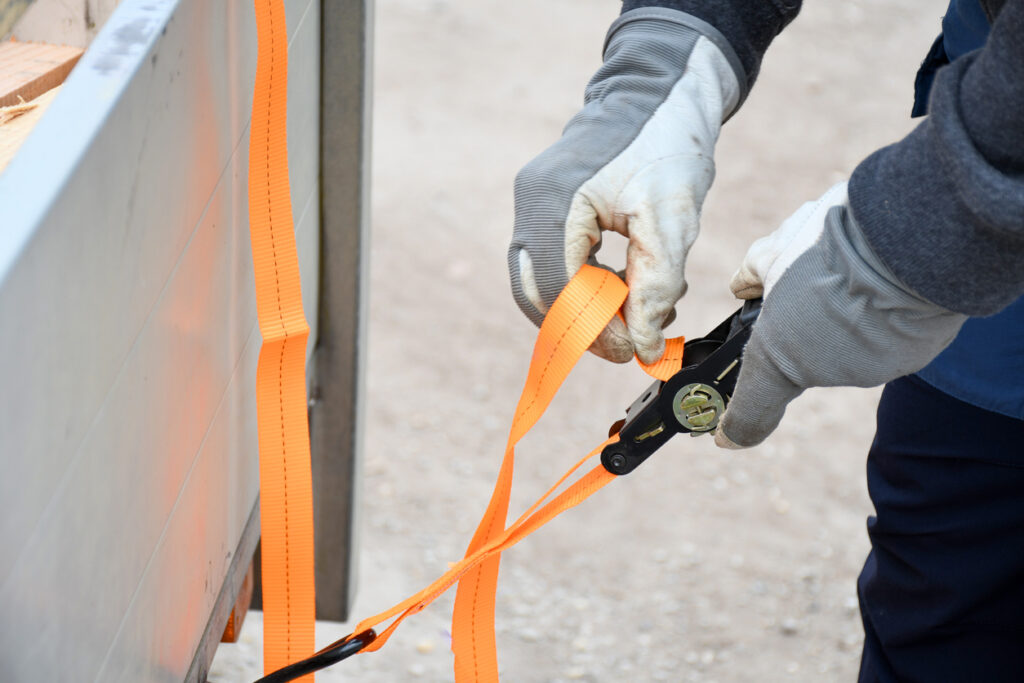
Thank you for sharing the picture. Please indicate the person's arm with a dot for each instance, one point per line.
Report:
(862, 289)
(944, 207)
(638, 160)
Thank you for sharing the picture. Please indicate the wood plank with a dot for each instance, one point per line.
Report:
(241, 608)
(27, 70)
(16, 122)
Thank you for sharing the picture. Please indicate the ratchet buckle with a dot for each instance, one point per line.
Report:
(692, 400)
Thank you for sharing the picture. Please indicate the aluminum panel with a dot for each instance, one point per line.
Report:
(127, 424)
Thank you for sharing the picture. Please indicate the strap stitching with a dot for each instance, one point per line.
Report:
(284, 328)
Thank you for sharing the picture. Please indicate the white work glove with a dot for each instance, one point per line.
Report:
(637, 159)
(833, 315)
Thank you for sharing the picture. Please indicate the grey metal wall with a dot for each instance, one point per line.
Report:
(128, 340)
(336, 415)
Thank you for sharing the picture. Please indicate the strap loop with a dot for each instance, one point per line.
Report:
(579, 314)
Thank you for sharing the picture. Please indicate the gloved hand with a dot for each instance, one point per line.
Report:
(637, 159)
(833, 315)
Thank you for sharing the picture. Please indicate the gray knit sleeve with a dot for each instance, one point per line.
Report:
(944, 207)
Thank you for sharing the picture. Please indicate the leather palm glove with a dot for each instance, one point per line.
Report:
(637, 160)
(833, 315)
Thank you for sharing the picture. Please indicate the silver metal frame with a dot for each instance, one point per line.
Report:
(200, 668)
(129, 343)
(336, 415)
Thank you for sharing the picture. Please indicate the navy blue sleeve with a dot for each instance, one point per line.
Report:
(748, 25)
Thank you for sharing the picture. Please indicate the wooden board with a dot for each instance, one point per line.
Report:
(27, 70)
(241, 608)
(16, 122)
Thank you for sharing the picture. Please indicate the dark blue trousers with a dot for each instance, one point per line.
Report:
(942, 592)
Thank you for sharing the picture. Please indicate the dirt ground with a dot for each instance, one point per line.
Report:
(703, 565)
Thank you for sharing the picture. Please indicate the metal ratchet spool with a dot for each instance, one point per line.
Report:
(698, 407)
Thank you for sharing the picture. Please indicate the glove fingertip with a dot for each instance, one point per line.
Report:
(741, 427)
(723, 441)
(612, 350)
(614, 343)
(651, 352)
(760, 399)
(748, 291)
(670, 318)
(745, 284)
(645, 330)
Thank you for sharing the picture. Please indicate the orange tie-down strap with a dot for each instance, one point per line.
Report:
(579, 314)
(286, 498)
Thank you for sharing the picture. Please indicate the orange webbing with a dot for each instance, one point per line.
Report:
(670, 362)
(578, 316)
(582, 310)
(286, 499)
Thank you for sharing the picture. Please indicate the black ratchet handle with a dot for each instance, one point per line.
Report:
(665, 410)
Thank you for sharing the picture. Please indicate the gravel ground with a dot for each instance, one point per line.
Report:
(703, 565)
